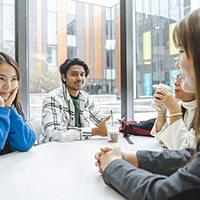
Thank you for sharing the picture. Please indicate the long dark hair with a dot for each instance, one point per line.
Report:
(5, 58)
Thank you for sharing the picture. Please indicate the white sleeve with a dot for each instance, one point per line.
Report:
(157, 134)
(96, 115)
(177, 137)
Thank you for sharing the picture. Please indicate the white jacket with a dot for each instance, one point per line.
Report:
(178, 135)
(58, 116)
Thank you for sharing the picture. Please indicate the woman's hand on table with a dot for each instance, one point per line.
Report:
(99, 154)
(106, 156)
(102, 160)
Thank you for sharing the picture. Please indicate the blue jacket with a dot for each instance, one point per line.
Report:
(15, 134)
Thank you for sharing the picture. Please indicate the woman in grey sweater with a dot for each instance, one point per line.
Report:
(162, 175)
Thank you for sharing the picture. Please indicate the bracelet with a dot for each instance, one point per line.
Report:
(176, 114)
(11, 107)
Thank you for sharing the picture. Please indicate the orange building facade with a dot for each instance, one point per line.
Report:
(76, 29)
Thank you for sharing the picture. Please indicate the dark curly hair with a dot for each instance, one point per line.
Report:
(73, 61)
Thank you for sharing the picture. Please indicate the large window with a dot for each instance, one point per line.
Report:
(91, 30)
(156, 55)
(60, 29)
(7, 27)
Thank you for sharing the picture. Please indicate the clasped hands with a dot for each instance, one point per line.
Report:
(106, 156)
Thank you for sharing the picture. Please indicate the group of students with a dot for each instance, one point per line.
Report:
(67, 112)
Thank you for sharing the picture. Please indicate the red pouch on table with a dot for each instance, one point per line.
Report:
(137, 128)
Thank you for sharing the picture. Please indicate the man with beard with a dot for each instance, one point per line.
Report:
(67, 111)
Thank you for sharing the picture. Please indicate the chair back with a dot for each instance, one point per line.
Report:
(36, 126)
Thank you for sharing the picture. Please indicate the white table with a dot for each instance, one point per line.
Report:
(61, 171)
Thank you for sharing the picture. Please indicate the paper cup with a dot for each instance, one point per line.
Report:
(156, 105)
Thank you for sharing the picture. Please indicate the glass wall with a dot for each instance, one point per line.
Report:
(156, 55)
(91, 30)
(60, 29)
(7, 27)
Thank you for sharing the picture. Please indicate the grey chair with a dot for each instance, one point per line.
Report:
(36, 126)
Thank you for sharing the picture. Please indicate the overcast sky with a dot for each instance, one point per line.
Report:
(107, 3)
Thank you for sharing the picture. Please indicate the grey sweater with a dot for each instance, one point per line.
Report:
(160, 175)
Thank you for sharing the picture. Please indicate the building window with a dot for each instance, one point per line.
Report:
(71, 24)
(71, 52)
(8, 28)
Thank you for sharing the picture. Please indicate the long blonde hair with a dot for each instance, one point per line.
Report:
(187, 34)
(5, 58)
